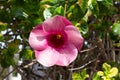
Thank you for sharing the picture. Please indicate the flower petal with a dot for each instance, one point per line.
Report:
(74, 36)
(68, 54)
(37, 38)
(65, 21)
(55, 24)
(47, 57)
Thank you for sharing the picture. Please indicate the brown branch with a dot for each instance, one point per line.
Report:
(81, 67)
(30, 64)
(86, 50)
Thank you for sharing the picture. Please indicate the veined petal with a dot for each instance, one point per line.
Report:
(55, 24)
(68, 54)
(37, 38)
(74, 36)
(47, 57)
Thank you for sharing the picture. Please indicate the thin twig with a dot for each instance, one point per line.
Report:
(86, 50)
(81, 67)
(28, 65)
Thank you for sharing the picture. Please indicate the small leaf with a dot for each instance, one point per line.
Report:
(84, 74)
(76, 76)
(37, 21)
(113, 72)
(96, 77)
(117, 44)
(116, 28)
(100, 73)
(106, 67)
(115, 32)
(26, 54)
(59, 11)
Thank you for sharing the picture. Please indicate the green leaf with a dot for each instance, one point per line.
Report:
(113, 72)
(18, 12)
(6, 61)
(50, 2)
(96, 77)
(76, 76)
(59, 11)
(75, 13)
(115, 32)
(3, 26)
(84, 74)
(1, 37)
(80, 75)
(83, 4)
(117, 44)
(16, 3)
(7, 56)
(7, 16)
(83, 27)
(37, 21)
(31, 6)
(94, 7)
(109, 2)
(116, 28)
(106, 67)
(104, 6)
(100, 73)
(26, 54)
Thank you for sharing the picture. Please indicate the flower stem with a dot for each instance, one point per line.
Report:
(65, 6)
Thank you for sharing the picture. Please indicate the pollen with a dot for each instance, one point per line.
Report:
(58, 36)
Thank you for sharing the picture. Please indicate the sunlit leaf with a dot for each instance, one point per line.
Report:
(116, 28)
(100, 73)
(59, 11)
(76, 76)
(84, 74)
(96, 77)
(94, 7)
(115, 32)
(113, 72)
(106, 67)
(26, 54)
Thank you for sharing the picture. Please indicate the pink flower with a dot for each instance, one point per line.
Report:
(55, 42)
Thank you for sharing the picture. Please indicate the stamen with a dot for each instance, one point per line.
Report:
(59, 36)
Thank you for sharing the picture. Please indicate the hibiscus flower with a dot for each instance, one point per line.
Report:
(55, 42)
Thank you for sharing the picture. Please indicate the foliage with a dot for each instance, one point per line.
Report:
(97, 20)
(80, 75)
(108, 73)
